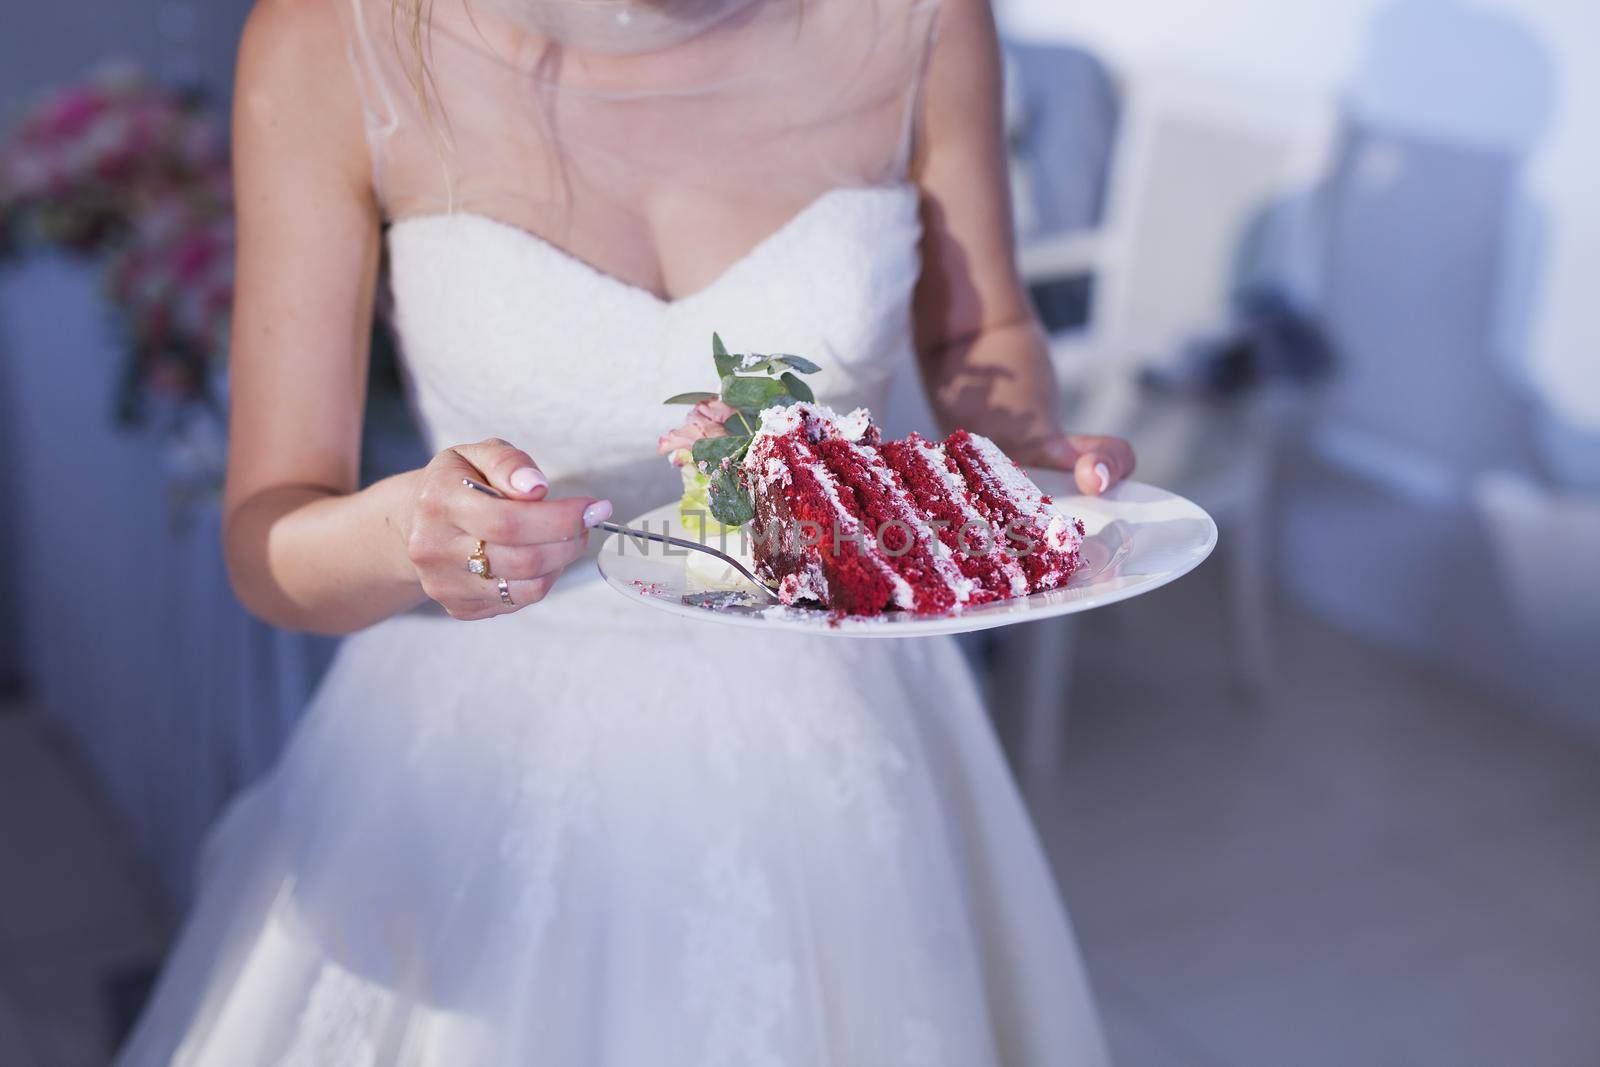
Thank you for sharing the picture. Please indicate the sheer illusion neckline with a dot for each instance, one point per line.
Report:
(757, 252)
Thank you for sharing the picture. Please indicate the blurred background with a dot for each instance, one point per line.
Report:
(1334, 799)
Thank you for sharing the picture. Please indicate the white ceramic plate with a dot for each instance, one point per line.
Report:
(1138, 538)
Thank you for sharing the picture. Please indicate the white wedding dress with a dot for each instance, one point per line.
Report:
(592, 835)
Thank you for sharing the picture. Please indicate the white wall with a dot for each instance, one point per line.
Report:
(1341, 49)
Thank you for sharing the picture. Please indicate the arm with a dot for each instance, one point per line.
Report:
(983, 355)
(305, 549)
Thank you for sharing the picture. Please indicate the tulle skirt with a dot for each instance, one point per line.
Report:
(590, 834)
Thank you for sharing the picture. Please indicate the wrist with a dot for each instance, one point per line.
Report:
(398, 503)
(1036, 441)
(1045, 450)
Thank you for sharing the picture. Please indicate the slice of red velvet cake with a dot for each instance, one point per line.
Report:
(811, 538)
(861, 526)
(903, 531)
(941, 493)
(1044, 541)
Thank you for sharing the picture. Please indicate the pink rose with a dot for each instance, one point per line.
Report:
(706, 420)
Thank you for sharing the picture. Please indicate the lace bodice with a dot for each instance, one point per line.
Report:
(506, 335)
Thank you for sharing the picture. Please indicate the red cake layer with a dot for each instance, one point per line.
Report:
(942, 495)
(1044, 541)
(812, 539)
(911, 546)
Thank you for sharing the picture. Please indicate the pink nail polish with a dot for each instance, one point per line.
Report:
(527, 479)
(596, 513)
(1103, 472)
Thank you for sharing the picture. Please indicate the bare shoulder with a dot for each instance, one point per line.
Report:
(294, 79)
(295, 50)
(958, 17)
(967, 36)
(294, 31)
(961, 98)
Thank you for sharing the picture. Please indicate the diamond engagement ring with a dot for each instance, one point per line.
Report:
(478, 563)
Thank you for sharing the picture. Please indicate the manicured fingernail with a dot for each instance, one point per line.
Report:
(596, 513)
(527, 479)
(1103, 472)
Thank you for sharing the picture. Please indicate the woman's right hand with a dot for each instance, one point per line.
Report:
(529, 540)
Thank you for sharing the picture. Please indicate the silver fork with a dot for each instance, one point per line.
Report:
(663, 539)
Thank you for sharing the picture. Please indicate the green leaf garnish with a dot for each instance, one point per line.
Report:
(749, 385)
(799, 363)
(730, 501)
(719, 354)
(713, 450)
(798, 389)
(752, 394)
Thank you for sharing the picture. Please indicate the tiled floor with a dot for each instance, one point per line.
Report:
(72, 915)
(1375, 867)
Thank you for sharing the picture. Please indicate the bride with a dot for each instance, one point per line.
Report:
(577, 833)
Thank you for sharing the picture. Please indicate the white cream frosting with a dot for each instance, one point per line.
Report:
(807, 584)
(817, 420)
(779, 420)
(904, 596)
(776, 421)
(935, 457)
(1060, 532)
(773, 472)
(949, 573)
(852, 427)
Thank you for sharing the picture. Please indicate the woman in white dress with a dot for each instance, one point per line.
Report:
(578, 832)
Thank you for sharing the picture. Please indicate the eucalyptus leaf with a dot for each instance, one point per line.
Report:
(713, 450)
(799, 363)
(719, 353)
(690, 398)
(797, 388)
(756, 393)
(730, 501)
(744, 421)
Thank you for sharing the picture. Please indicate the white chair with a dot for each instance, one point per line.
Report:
(1198, 162)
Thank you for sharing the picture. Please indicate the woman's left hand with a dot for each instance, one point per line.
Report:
(1096, 462)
